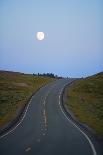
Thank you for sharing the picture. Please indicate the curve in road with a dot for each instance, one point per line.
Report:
(45, 129)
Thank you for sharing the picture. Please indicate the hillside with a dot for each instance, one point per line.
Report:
(85, 100)
(15, 90)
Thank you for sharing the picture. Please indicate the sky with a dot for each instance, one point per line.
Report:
(73, 43)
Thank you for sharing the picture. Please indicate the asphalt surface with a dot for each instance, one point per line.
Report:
(45, 129)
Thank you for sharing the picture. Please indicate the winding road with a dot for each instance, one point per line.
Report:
(45, 129)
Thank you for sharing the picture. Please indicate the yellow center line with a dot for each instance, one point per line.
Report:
(28, 149)
(44, 112)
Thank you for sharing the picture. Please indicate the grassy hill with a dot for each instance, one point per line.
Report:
(85, 100)
(15, 90)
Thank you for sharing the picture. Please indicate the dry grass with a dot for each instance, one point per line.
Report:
(15, 89)
(85, 99)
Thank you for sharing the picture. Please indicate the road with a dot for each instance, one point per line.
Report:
(45, 129)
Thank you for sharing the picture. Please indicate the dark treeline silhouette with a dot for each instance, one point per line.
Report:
(51, 75)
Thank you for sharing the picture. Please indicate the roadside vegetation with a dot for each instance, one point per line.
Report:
(15, 90)
(85, 99)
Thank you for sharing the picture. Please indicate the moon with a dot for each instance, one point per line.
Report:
(40, 35)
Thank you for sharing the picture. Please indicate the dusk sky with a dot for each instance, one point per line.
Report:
(73, 43)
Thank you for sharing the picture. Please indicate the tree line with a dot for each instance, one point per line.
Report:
(51, 75)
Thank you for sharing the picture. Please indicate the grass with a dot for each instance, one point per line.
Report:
(85, 100)
(15, 89)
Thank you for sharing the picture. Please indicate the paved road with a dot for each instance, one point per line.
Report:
(45, 129)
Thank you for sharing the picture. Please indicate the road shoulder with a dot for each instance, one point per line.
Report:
(97, 141)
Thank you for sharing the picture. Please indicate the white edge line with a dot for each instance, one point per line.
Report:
(90, 142)
(18, 123)
(21, 119)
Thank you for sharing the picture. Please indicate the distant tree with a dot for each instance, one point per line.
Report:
(34, 74)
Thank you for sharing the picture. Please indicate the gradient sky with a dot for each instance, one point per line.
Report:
(73, 44)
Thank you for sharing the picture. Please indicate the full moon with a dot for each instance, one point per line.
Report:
(40, 35)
